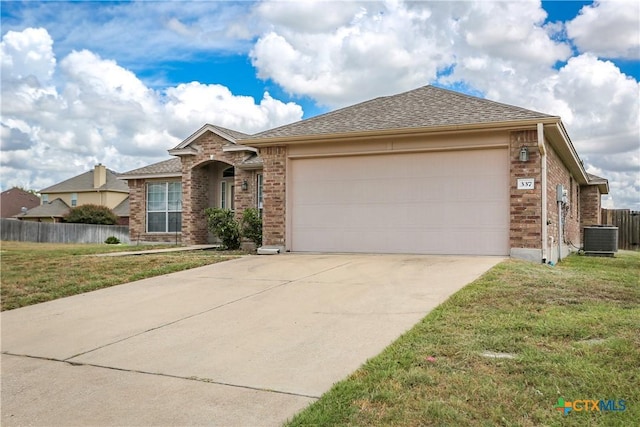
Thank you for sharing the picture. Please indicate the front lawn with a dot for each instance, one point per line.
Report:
(38, 272)
(504, 350)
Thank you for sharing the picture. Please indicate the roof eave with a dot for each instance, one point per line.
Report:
(188, 151)
(250, 166)
(560, 140)
(377, 134)
(238, 147)
(602, 184)
(197, 134)
(84, 190)
(150, 176)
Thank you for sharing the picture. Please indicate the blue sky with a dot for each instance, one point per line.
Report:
(120, 83)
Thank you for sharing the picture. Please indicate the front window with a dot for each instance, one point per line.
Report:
(45, 199)
(74, 199)
(164, 207)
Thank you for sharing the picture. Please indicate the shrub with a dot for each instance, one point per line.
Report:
(224, 226)
(252, 226)
(91, 214)
(112, 240)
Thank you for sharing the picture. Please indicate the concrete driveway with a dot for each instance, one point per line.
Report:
(246, 342)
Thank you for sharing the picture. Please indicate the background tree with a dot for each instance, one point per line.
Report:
(91, 214)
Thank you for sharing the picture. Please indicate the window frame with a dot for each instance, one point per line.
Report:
(259, 191)
(171, 207)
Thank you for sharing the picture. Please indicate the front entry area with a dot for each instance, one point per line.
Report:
(448, 202)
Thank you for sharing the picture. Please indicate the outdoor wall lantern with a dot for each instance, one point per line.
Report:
(245, 185)
(524, 154)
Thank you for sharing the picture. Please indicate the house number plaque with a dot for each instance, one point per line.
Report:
(526, 183)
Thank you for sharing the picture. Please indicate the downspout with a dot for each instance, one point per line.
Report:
(543, 184)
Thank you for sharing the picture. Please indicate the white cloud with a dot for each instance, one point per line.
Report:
(101, 112)
(336, 53)
(609, 29)
(370, 49)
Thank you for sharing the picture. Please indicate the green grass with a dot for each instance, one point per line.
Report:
(574, 332)
(36, 272)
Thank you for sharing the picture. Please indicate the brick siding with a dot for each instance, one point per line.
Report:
(274, 191)
(525, 229)
(201, 175)
(590, 213)
(557, 173)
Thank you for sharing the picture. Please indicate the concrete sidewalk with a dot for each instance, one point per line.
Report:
(246, 342)
(159, 251)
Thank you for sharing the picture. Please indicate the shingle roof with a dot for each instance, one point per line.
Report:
(233, 133)
(228, 134)
(122, 209)
(84, 182)
(14, 199)
(425, 107)
(56, 208)
(171, 166)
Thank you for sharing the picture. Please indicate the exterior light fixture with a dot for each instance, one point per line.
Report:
(245, 185)
(524, 154)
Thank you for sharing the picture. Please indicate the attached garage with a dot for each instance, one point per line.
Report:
(444, 202)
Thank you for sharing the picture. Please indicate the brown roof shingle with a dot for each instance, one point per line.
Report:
(84, 182)
(425, 107)
(14, 199)
(166, 167)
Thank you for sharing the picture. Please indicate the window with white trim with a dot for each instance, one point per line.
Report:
(227, 189)
(259, 196)
(164, 207)
(74, 199)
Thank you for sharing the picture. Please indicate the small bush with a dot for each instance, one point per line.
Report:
(112, 240)
(224, 226)
(252, 226)
(91, 214)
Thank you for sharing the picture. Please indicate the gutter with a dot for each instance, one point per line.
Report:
(543, 184)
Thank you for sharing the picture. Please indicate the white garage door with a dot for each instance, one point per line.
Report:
(454, 202)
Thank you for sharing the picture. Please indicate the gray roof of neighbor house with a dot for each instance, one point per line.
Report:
(122, 209)
(171, 167)
(14, 199)
(84, 182)
(55, 208)
(425, 107)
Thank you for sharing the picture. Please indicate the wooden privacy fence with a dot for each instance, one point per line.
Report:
(47, 232)
(628, 223)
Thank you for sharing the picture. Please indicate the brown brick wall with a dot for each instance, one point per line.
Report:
(200, 179)
(557, 173)
(590, 212)
(525, 229)
(274, 191)
(199, 175)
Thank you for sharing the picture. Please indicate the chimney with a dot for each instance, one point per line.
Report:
(99, 176)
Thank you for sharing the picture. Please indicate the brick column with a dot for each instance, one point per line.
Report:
(195, 187)
(137, 208)
(526, 205)
(274, 192)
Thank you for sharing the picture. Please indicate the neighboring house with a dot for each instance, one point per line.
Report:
(53, 211)
(99, 186)
(426, 171)
(14, 200)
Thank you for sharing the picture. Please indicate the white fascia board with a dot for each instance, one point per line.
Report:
(239, 147)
